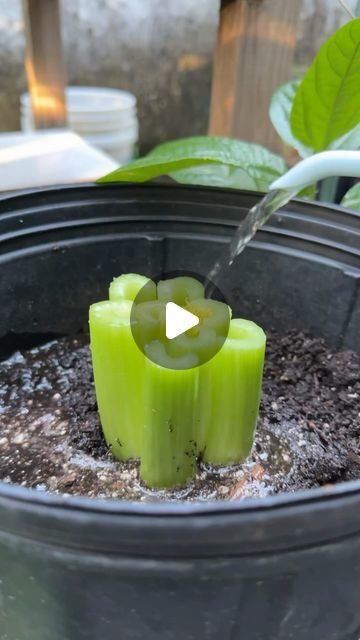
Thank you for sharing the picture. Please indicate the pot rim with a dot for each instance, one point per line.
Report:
(167, 184)
(311, 497)
(314, 496)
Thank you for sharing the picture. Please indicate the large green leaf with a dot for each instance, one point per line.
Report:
(349, 141)
(327, 102)
(148, 167)
(206, 160)
(222, 175)
(279, 112)
(351, 199)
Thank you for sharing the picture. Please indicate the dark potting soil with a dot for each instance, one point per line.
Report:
(308, 433)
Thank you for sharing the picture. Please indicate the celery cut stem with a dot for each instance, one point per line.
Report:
(180, 290)
(149, 322)
(161, 354)
(200, 343)
(118, 367)
(156, 401)
(212, 313)
(169, 452)
(131, 286)
(229, 395)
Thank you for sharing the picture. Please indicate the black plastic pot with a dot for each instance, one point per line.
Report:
(280, 568)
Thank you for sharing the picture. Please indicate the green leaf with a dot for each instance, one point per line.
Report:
(222, 175)
(351, 199)
(279, 112)
(205, 160)
(147, 167)
(327, 102)
(350, 141)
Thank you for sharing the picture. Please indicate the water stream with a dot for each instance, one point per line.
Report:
(246, 230)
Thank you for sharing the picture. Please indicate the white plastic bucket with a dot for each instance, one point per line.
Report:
(106, 118)
(120, 146)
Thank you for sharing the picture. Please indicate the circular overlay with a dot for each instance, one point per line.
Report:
(160, 321)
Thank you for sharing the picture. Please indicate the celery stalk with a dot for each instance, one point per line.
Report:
(229, 395)
(118, 367)
(148, 322)
(212, 313)
(129, 285)
(156, 400)
(162, 354)
(168, 452)
(180, 290)
(200, 343)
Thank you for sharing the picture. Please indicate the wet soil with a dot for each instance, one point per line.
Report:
(308, 433)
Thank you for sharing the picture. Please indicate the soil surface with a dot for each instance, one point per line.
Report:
(308, 434)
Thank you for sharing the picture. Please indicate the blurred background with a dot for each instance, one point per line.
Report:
(162, 52)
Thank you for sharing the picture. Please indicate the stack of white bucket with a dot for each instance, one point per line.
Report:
(105, 118)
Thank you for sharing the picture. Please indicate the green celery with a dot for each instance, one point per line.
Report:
(180, 290)
(201, 343)
(118, 367)
(213, 314)
(229, 395)
(164, 407)
(163, 355)
(128, 287)
(169, 451)
(149, 322)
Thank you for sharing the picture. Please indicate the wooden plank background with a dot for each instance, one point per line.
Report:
(254, 55)
(44, 62)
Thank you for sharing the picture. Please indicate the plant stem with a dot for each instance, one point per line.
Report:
(164, 407)
(149, 322)
(184, 359)
(229, 395)
(212, 313)
(169, 452)
(180, 290)
(118, 367)
(129, 285)
(201, 344)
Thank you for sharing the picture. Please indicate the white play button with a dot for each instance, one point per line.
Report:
(178, 320)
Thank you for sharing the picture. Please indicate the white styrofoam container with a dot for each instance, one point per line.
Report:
(49, 157)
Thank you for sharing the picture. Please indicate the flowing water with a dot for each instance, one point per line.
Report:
(246, 230)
